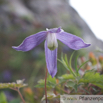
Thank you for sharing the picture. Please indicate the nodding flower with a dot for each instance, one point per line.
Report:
(51, 36)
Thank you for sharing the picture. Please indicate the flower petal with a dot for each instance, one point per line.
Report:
(31, 41)
(51, 60)
(71, 40)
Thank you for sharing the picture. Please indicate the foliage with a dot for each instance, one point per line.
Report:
(3, 98)
(17, 84)
(91, 82)
(51, 82)
(81, 76)
(94, 78)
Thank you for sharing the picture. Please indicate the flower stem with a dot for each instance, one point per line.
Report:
(45, 85)
(17, 89)
(21, 96)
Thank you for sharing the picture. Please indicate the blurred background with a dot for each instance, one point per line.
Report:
(91, 12)
(21, 18)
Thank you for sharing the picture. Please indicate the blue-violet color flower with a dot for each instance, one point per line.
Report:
(50, 36)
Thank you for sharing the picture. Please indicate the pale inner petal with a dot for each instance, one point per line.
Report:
(52, 41)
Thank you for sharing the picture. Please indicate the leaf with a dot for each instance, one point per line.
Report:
(52, 80)
(75, 87)
(18, 83)
(94, 78)
(15, 101)
(41, 84)
(3, 98)
(65, 77)
(64, 61)
(83, 64)
(70, 84)
(85, 90)
(51, 83)
(76, 65)
(70, 60)
(50, 96)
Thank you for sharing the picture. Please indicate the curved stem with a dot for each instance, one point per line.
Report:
(17, 89)
(45, 85)
(21, 96)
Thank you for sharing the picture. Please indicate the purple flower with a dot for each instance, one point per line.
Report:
(50, 36)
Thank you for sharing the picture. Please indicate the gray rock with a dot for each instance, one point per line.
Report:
(22, 16)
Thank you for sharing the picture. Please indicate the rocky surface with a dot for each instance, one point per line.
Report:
(23, 16)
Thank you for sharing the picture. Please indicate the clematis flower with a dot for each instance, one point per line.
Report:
(50, 36)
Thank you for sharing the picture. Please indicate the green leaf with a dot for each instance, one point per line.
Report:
(83, 64)
(65, 77)
(3, 98)
(76, 65)
(85, 90)
(51, 83)
(70, 60)
(41, 84)
(64, 61)
(50, 96)
(64, 64)
(70, 84)
(18, 84)
(75, 87)
(15, 101)
(52, 80)
(92, 77)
